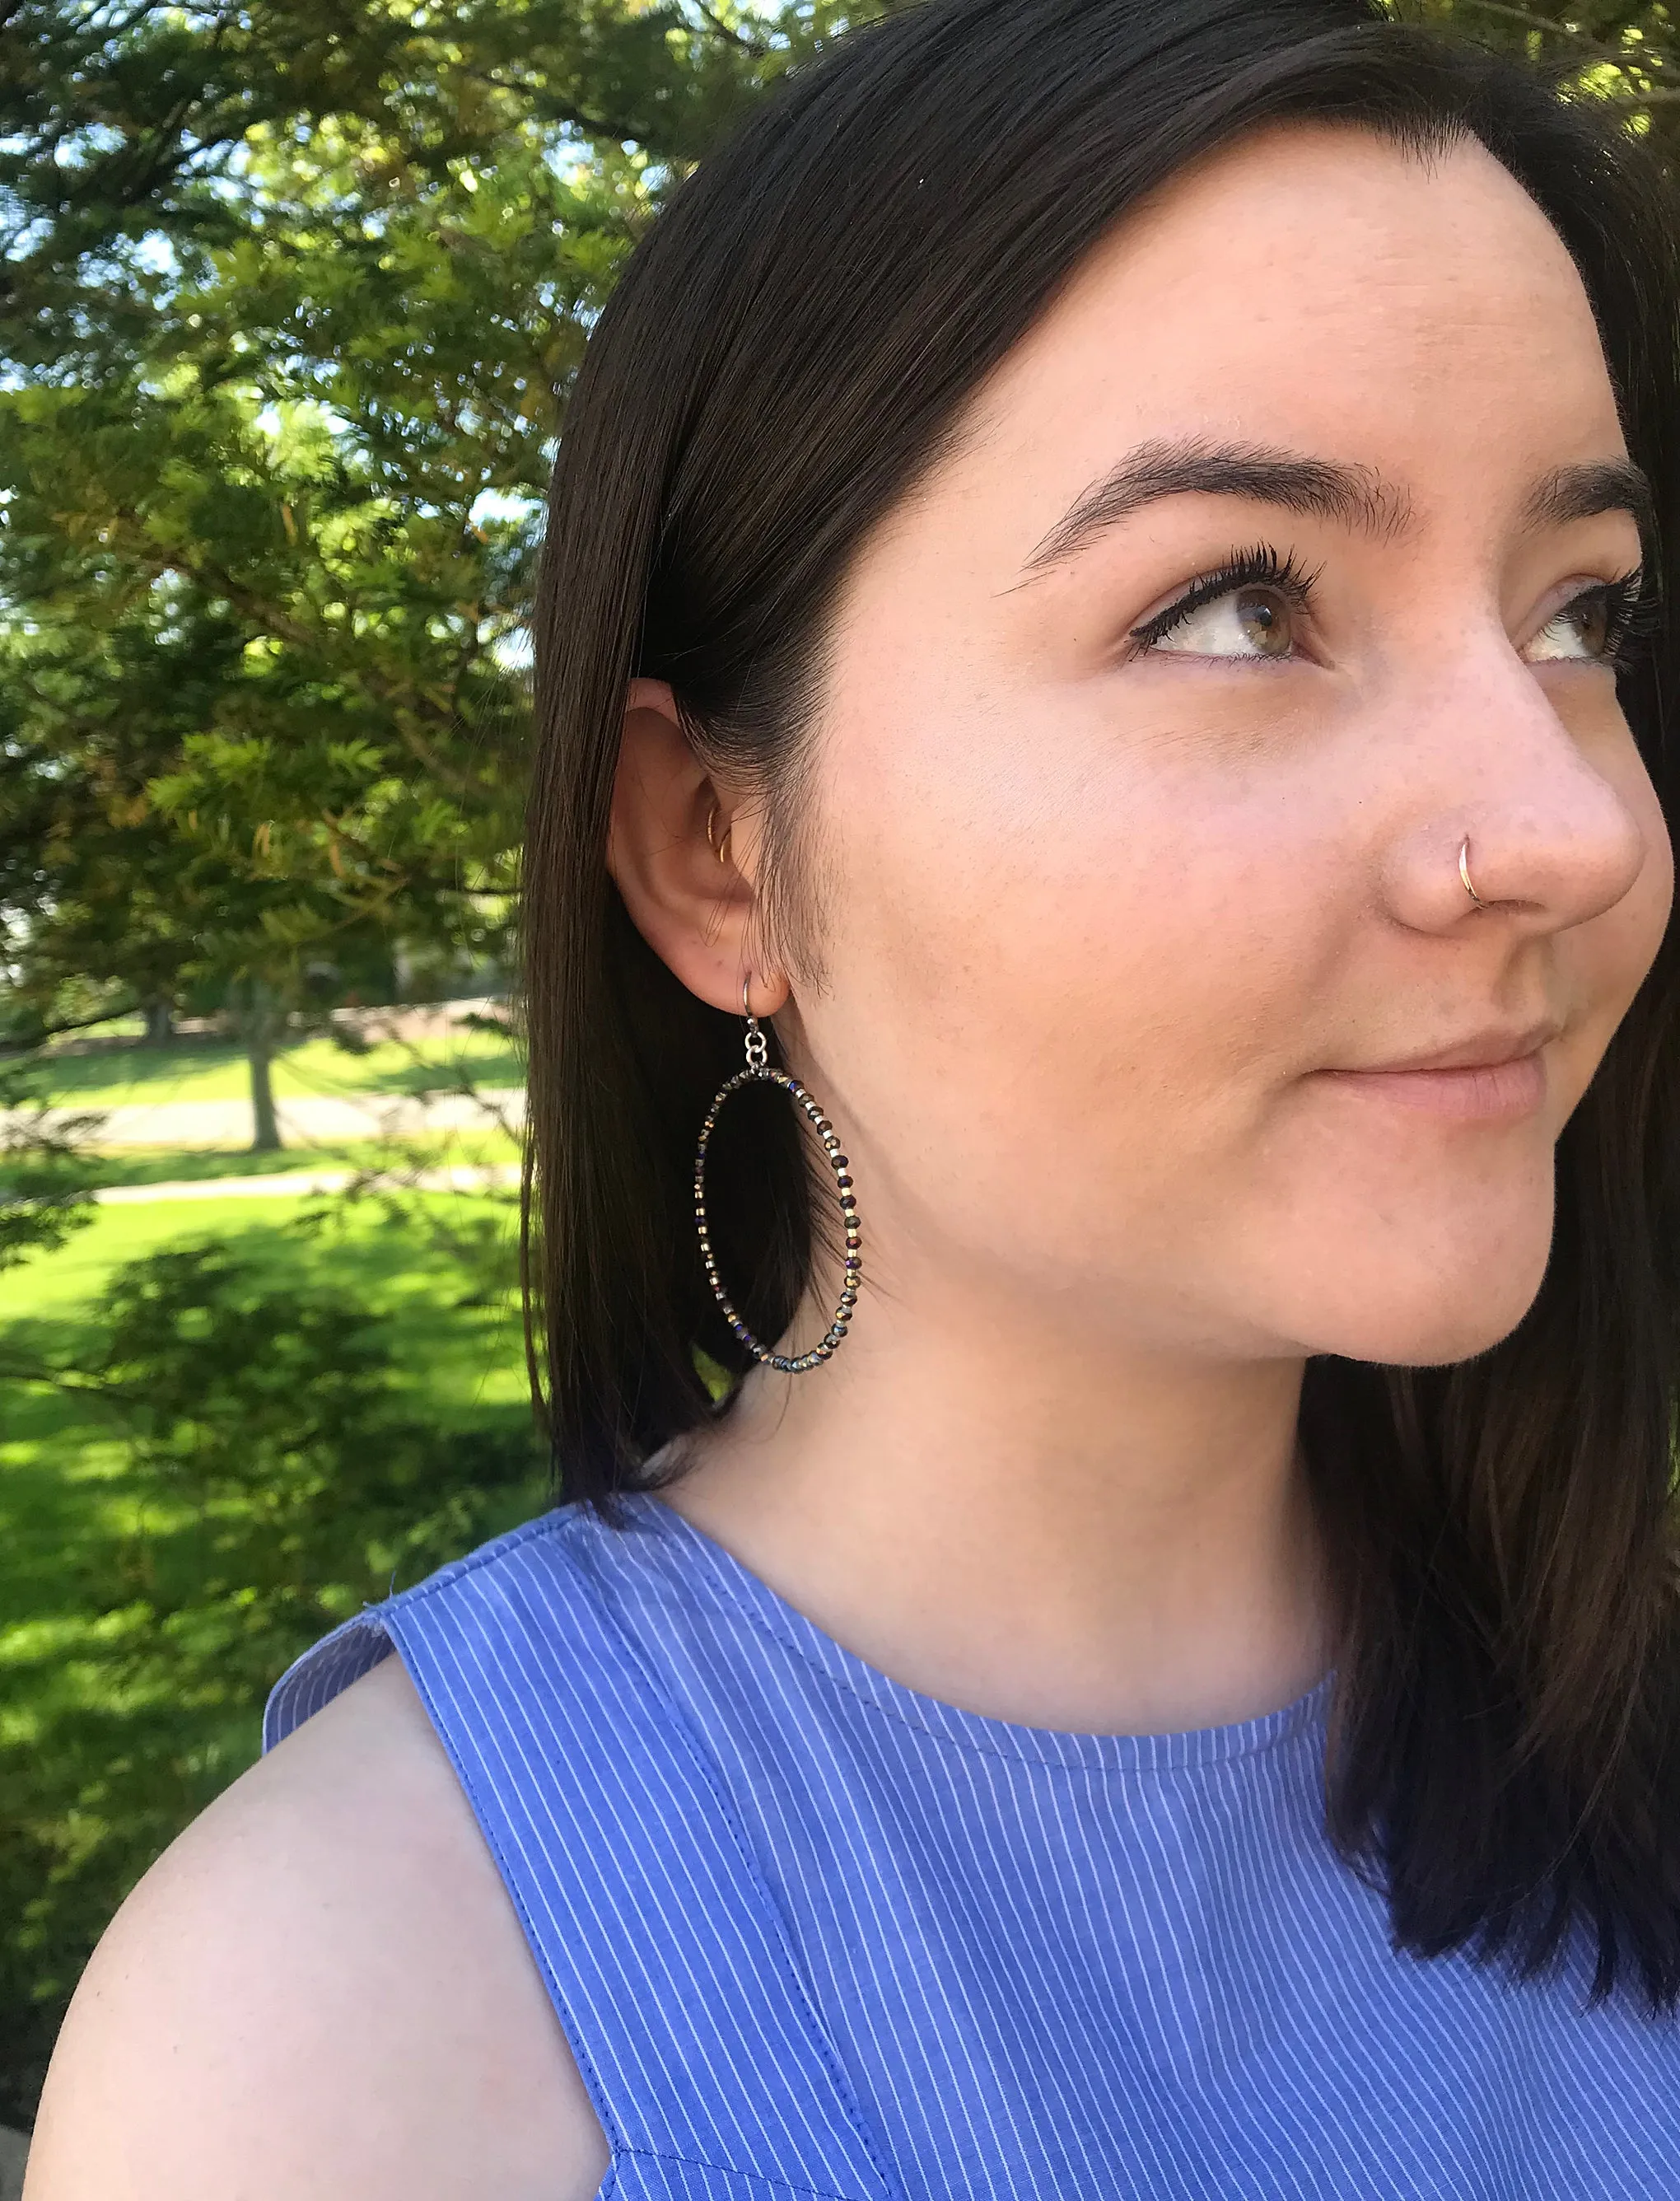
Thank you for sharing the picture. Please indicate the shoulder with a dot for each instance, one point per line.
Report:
(320, 1989)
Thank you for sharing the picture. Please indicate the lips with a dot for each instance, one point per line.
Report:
(1493, 1091)
(1484, 1050)
(1492, 1076)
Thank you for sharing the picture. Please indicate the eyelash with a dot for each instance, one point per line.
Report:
(1636, 616)
(1243, 569)
(1634, 613)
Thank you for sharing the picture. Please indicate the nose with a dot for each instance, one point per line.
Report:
(1494, 760)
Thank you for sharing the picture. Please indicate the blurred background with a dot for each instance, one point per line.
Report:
(292, 294)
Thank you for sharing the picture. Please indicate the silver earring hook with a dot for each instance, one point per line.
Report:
(758, 1053)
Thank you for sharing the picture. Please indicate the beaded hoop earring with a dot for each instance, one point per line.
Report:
(759, 1072)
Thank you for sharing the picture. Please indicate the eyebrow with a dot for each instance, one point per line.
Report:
(1581, 492)
(1355, 496)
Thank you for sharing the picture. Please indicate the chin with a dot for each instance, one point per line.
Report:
(1442, 1344)
(1454, 1319)
(1440, 1305)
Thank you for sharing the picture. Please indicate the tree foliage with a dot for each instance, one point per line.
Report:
(1627, 56)
(294, 299)
(46, 1180)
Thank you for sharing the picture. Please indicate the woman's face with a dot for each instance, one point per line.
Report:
(1141, 888)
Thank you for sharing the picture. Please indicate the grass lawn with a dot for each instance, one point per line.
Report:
(116, 1727)
(196, 1069)
(124, 1165)
(382, 1265)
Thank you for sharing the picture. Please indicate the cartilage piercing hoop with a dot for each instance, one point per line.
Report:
(759, 1072)
(1464, 873)
(719, 848)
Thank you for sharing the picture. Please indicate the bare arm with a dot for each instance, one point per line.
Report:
(321, 1990)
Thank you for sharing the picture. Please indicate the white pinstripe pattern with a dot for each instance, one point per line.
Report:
(810, 1932)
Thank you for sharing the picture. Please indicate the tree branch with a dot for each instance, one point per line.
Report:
(561, 110)
(728, 30)
(401, 699)
(75, 1023)
(73, 1380)
(1589, 46)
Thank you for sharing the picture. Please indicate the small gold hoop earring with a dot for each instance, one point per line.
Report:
(1464, 873)
(760, 1072)
(720, 849)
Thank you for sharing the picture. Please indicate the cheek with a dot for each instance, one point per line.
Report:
(1084, 977)
(1635, 931)
(1604, 963)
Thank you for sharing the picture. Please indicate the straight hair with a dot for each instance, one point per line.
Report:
(790, 348)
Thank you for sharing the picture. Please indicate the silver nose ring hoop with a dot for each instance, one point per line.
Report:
(1464, 873)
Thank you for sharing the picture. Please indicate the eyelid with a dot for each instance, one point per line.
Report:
(1628, 586)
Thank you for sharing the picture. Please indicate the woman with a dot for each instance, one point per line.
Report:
(1101, 595)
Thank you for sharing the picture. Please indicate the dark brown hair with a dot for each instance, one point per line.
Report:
(787, 352)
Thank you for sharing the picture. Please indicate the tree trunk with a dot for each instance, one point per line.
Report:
(266, 1138)
(262, 1024)
(160, 1022)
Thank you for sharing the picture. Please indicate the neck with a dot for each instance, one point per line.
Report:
(1029, 1520)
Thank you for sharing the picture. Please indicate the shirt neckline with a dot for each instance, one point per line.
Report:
(730, 1581)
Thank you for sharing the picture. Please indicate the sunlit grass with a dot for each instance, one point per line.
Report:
(144, 1165)
(195, 1069)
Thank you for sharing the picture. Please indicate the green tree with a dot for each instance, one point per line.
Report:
(294, 302)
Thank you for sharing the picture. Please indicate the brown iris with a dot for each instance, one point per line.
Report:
(1266, 617)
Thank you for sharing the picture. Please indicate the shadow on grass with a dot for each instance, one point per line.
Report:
(141, 1166)
(152, 1585)
(193, 1067)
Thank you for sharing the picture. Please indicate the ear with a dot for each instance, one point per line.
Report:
(692, 907)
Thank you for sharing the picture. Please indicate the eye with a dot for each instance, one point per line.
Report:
(1253, 608)
(1593, 628)
(1252, 622)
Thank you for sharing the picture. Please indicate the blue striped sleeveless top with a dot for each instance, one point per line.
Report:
(810, 1932)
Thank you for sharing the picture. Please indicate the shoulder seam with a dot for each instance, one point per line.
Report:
(551, 1523)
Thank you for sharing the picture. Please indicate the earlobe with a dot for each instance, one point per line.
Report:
(679, 849)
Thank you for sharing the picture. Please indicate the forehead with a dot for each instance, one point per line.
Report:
(1318, 286)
